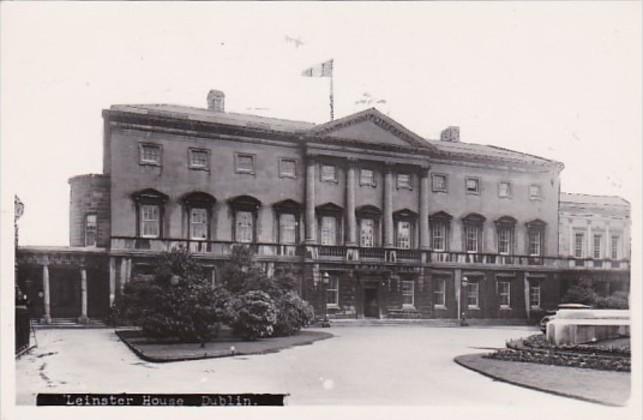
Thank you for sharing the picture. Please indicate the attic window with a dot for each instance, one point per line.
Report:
(149, 154)
(472, 185)
(245, 163)
(328, 173)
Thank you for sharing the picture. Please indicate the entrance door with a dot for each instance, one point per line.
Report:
(64, 286)
(371, 304)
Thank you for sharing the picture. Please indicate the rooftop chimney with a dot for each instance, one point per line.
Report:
(451, 134)
(216, 101)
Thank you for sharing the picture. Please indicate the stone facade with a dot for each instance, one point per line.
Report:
(381, 222)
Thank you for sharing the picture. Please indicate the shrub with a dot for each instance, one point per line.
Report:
(293, 313)
(579, 294)
(255, 315)
(618, 300)
(179, 301)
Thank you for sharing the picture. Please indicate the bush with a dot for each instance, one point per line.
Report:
(579, 294)
(255, 315)
(178, 302)
(618, 300)
(293, 313)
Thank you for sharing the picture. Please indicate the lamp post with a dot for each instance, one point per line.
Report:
(463, 319)
(325, 281)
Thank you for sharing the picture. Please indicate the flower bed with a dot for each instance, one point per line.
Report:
(535, 349)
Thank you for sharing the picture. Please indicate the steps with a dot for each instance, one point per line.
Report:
(402, 322)
(67, 323)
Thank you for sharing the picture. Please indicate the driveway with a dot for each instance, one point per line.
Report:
(392, 365)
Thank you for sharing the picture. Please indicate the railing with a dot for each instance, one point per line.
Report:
(374, 254)
(371, 253)
(333, 251)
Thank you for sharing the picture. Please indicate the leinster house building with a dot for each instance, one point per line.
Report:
(379, 221)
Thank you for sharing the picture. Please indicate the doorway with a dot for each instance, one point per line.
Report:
(371, 303)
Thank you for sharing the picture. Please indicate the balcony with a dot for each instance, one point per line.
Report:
(211, 249)
(353, 254)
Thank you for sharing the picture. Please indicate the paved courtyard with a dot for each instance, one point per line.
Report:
(391, 365)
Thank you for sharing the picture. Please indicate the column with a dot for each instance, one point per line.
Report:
(123, 275)
(590, 242)
(311, 225)
(424, 209)
(388, 206)
(457, 278)
(128, 276)
(351, 221)
(45, 290)
(526, 294)
(112, 281)
(83, 295)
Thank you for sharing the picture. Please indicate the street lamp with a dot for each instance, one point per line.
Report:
(463, 319)
(325, 282)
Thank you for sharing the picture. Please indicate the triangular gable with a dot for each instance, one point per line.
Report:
(371, 126)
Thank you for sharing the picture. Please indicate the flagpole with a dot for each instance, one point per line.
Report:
(332, 98)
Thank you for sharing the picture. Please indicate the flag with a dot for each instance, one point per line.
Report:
(324, 69)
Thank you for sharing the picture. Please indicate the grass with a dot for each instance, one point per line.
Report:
(225, 345)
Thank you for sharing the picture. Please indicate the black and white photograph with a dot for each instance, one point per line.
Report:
(368, 209)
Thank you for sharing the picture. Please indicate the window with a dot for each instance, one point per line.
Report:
(439, 183)
(404, 234)
(90, 230)
(404, 181)
(505, 234)
(534, 294)
(150, 154)
(597, 246)
(504, 294)
(579, 240)
(439, 292)
(366, 177)
(150, 221)
(504, 190)
(287, 168)
(328, 230)
(438, 236)
(245, 163)
(472, 185)
(332, 291)
(534, 192)
(408, 293)
(198, 223)
(473, 292)
(367, 233)
(287, 228)
(199, 159)
(328, 173)
(614, 247)
(472, 235)
(244, 226)
(535, 241)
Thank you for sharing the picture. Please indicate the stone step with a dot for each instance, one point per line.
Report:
(67, 323)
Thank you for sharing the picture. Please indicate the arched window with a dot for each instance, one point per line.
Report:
(505, 227)
(244, 226)
(404, 225)
(440, 224)
(150, 206)
(473, 224)
(368, 220)
(198, 211)
(329, 217)
(288, 214)
(535, 238)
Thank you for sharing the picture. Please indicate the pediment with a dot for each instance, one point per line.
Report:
(371, 126)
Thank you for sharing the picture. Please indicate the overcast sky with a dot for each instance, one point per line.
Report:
(559, 80)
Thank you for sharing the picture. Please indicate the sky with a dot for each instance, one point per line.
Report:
(558, 80)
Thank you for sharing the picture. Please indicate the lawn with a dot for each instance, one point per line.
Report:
(225, 345)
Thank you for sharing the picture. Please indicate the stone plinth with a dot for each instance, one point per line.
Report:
(579, 326)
